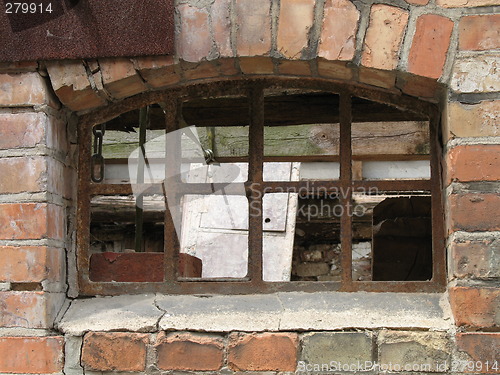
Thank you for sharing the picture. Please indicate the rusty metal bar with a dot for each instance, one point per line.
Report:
(346, 186)
(255, 175)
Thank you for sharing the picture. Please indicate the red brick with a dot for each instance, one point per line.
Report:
(22, 129)
(473, 212)
(31, 221)
(476, 307)
(263, 351)
(30, 263)
(479, 33)
(253, 21)
(338, 35)
(195, 41)
(221, 23)
(483, 348)
(465, 3)
(72, 86)
(23, 174)
(120, 78)
(25, 89)
(295, 21)
(430, 45)
(31, 355)
(190, 351)
(384, 36)
(27, 309)
(114, 351)
(476, 259)
(474, 163)
(158, 71)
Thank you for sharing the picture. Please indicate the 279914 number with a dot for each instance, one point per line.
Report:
(17, 8)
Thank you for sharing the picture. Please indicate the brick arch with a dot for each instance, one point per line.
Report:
(405, 48)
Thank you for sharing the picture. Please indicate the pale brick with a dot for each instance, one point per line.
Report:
(476, 74)
(465, 3)
(253, 20)
(23, 174)
(476, 258)
(221, 23)
(22, 129)
(31, 221)
(72, 86)
(414, 349)
(263, 351)
(120, 78)
(25, 89)
(158, 71)
(31, 355)
(475, 307)
(295, 21)
(195, 41)
(256, 65)
(479, 33)
(341, 347)
(114, 351)
(190, 352)
(384, 36)
(473, 120)
(430, 45)
(31, 263)
(338, 35)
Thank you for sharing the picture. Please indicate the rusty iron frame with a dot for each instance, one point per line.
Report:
(256, 187)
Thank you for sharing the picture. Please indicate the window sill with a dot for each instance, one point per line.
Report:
(271, 312)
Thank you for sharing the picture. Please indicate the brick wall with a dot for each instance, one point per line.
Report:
(439, 50)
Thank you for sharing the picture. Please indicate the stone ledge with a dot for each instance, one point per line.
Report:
(267, 312)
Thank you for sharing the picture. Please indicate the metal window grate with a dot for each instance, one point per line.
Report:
(345, 110)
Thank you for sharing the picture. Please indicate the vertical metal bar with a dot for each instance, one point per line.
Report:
(437, 191)
(345, 111)
(255, 176)
(139, 212)
(172, 167)
(83, 207)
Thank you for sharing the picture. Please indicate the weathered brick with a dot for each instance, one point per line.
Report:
(253, 20)
(341, 347)
(295, 21)
(476, 258)
(465, 3)
(29, 309)
(384, 36)
(221, 23)
(476, 307)
(296, 67)
(114, 351)
(473, 163)
(483, 349)
(400, 349)
(23, 174)
(31, 355)
(256, 65)
(263, 351)
(30, 263)
(334, 69)
(25, 89)
(473, 120)
(338, 36)
(417, 2)
(72, 86)
(479, 33)
(158, 71)
(190, 351)
(476, 74)
(430, 45)
(473, 212)
(120, 77)
(22, 129)
(31, 221)
(195, 41)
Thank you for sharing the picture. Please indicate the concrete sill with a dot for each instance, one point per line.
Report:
(293, 311)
